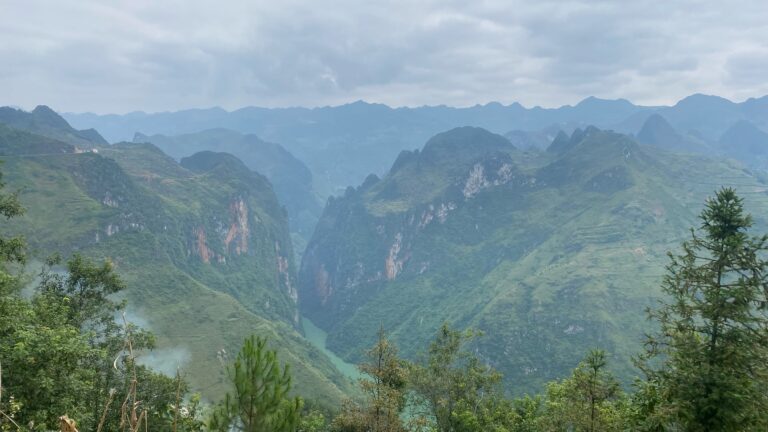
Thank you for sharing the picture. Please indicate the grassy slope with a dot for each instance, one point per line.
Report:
(187, 303)
(548, 269)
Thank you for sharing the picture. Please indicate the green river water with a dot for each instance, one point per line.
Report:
(316, 336)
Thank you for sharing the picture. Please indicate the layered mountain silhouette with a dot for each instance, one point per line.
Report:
(203, 245)
(342, 145)
(547, 253)
(290, 177)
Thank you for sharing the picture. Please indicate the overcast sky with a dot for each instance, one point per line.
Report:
(120, 56)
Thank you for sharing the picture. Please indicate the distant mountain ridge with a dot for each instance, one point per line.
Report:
(746, 142)
(343, 144)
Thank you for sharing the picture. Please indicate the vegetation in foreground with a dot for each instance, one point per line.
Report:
(68, 364)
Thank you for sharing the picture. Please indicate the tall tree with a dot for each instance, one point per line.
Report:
(590, 400)
(384, 386)
(455, 386)
(57, 348)
(706, 367)
(260, 401)
(12, 250)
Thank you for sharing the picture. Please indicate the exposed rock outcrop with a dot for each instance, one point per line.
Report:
(239, 231)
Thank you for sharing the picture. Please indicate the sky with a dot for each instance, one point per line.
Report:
(114, 56)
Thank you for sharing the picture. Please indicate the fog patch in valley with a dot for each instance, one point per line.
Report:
(165, 359)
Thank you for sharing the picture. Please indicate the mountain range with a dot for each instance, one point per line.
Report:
(203, 245)
(343, 144)
(548, 253)
(547, 229)
(290, 177)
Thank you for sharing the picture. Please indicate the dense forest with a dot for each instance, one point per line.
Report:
(69, 364)
(399, 216)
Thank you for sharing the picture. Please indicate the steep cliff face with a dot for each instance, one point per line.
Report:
(550, 254)
(238, 233)
(204, 247)
(290, 178)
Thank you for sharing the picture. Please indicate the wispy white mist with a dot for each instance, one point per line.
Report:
(166, 360)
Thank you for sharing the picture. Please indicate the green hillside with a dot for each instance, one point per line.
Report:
(203, 246)
(44, 121)
(290, 178)
(550, 253)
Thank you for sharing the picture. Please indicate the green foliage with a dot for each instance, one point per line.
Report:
(59, 351)
(58, 348)
(44, 121)
(313, 421)
(290, 178)
(259, 401)
(706, 367)
(141, 211)
(12, 250)
(383, 384)
(564, 253)
(44, 361)
(589, 400)
(455, 388)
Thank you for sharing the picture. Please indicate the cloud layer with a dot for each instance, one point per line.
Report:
(141, 54)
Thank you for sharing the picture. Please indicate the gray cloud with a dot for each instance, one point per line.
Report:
(126, 55)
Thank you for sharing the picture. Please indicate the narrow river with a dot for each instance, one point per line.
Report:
(316, 336)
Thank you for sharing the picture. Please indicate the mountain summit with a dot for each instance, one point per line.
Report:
(546, 253)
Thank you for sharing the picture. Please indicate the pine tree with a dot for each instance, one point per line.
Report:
(384, 386)
(706, 368)
(260, 401)
(455, 387)
(590, 400)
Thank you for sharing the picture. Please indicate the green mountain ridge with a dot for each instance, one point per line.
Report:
(549, 254)
(203, 246)
(290, 178)
(44, 121)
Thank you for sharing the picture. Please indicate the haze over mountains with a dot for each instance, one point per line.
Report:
(545, 228)
(203, 244)
(343, 144)
(545, 252)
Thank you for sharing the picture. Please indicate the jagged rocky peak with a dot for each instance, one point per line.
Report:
(562, 143)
